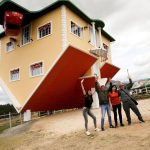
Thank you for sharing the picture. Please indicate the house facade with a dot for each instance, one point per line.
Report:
(40, 67)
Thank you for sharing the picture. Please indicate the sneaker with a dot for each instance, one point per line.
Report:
(116, 126)
(141, 120)
(97, 129)
(102, 129)
(129, 123)
(111, 126)
(88, 133)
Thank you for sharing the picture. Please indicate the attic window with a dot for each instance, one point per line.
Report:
(44, 30)
(36, 69)
(75, 29)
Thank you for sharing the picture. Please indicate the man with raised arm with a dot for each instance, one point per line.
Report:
(102, 92)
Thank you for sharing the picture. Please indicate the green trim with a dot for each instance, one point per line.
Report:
(108, 36)
(31, 15)
(2, 34)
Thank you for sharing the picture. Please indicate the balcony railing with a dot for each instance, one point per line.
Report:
(99, 52)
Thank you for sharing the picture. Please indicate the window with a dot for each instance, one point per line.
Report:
(0, 48)
(10, 46)
(36, 69)
(91, 35)
(15, 74)
(44, 30)
(75, 29)
(26, 34)
(105, 46)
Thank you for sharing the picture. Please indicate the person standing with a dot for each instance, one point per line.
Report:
(128, 103)
(104, 103)
(88, 100)
(115, 104)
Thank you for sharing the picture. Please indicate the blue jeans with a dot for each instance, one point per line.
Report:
(104, 108)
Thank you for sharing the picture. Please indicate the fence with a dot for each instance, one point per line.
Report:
(10, 120)
(13, 119)
(144, 90)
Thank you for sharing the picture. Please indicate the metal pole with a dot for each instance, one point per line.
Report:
(10, 120)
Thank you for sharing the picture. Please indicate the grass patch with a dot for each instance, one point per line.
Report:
(4, 124)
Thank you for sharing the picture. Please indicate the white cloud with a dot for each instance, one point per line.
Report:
(142, 60)
(4, 99)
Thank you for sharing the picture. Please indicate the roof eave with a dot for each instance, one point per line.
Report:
(108, 36)
(31, 15)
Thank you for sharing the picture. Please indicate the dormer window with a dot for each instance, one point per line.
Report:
(44, 30)
(75, 29)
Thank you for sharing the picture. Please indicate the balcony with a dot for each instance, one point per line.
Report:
(99, 52)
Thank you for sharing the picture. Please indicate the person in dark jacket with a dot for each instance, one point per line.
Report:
(104, 103)
(88, 100)
(128, 103)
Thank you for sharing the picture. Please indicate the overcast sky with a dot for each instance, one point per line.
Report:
(128, 22)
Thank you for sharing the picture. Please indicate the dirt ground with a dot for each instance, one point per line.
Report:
(65, 131)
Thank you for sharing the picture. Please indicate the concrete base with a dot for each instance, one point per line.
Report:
(27, 116)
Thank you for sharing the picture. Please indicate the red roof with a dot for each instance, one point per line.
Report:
(108, 70)
(61, 89)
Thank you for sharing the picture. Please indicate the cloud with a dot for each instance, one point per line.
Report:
(139, 72)
(142, 60)
(4, 99)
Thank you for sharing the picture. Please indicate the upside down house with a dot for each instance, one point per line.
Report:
(44, 54)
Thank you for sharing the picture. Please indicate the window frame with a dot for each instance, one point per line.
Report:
(79, 26)
(106, 47)
(21, 42)
(11, 49)
(38, 38)
(10, 74)
(30, 73)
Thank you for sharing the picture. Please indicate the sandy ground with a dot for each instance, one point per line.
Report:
(65, 131)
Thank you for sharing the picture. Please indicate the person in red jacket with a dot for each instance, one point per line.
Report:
(115, 104)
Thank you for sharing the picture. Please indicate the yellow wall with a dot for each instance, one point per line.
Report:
(45, 50)
(82, 43)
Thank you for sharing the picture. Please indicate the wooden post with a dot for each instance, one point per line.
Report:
(10, 125)
(20, 118)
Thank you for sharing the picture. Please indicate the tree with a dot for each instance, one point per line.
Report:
(5, 109)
